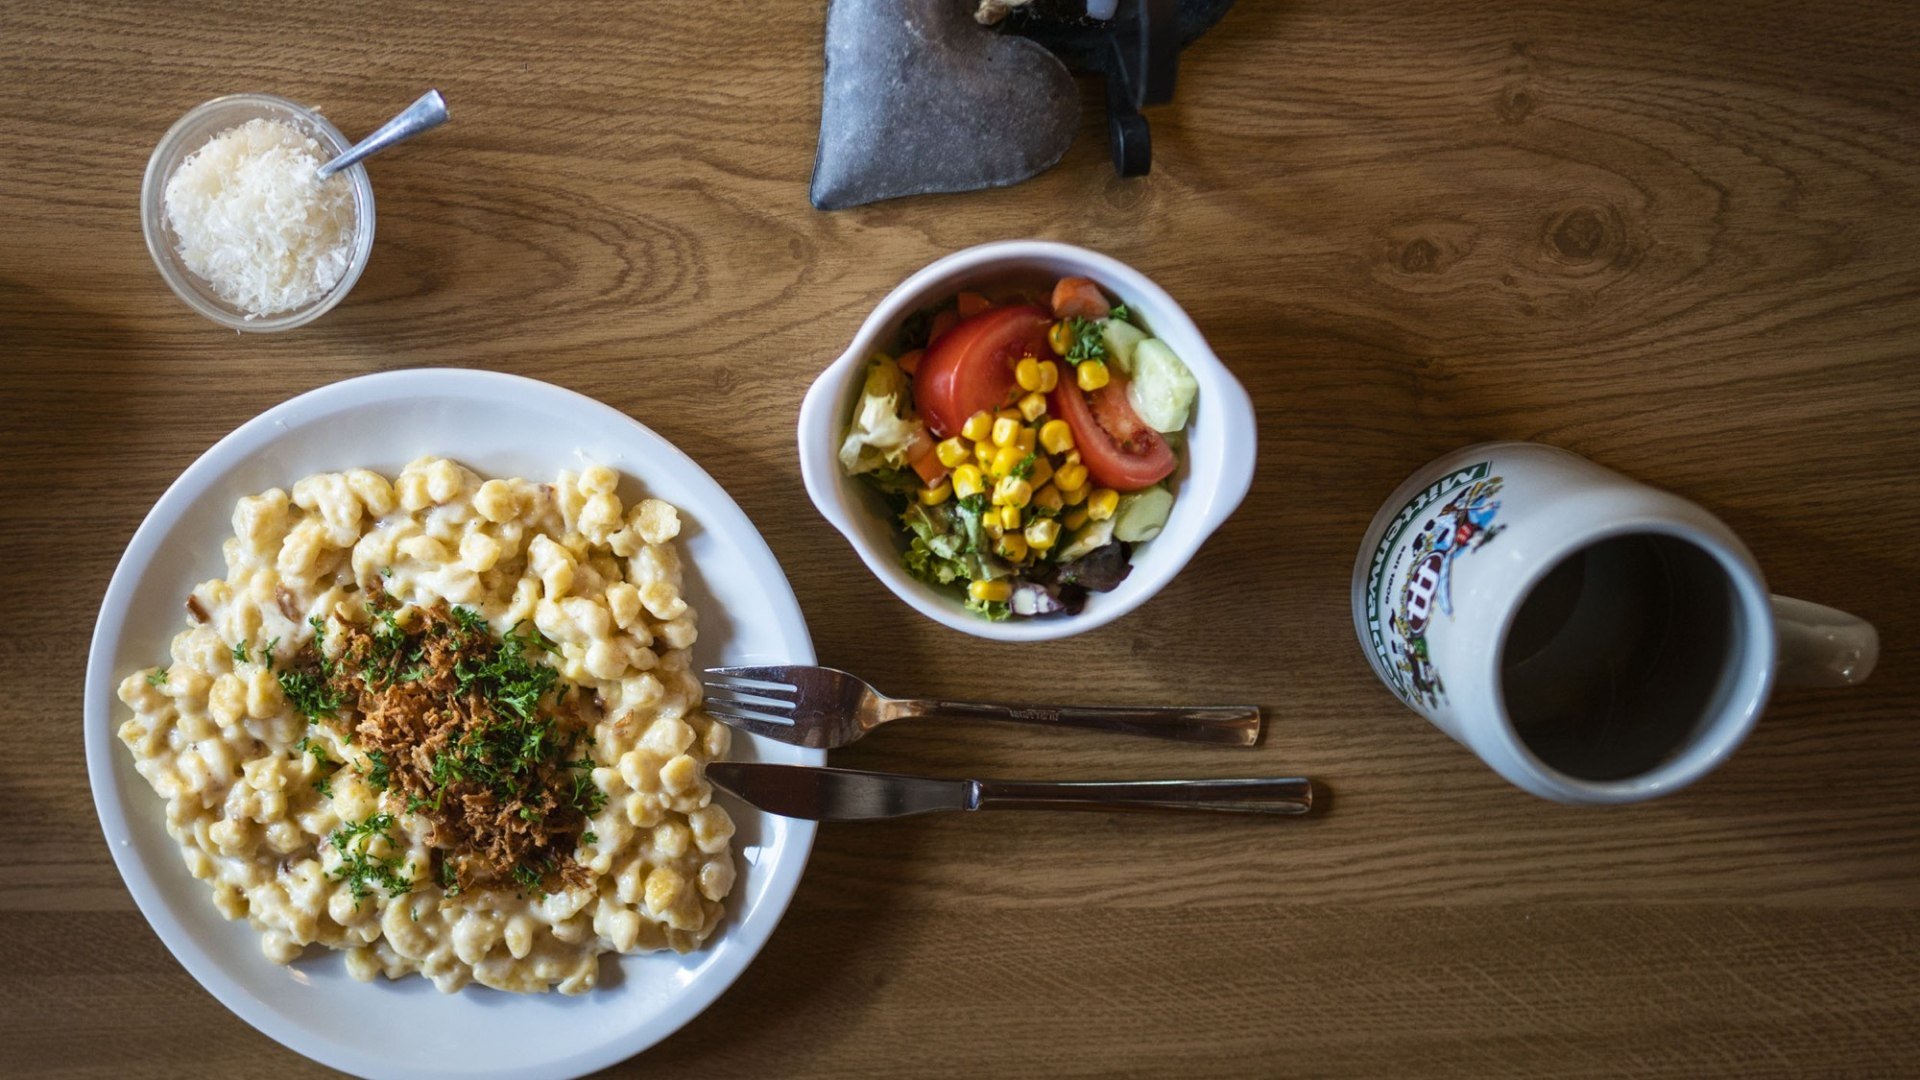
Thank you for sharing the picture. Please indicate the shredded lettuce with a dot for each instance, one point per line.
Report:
(882, 426)
(949, 544)
(904, 483)
(990, 610)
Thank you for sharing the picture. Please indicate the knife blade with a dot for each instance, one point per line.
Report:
(822, 794)
(826, 794)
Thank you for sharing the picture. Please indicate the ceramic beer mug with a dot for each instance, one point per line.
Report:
(1593, 639)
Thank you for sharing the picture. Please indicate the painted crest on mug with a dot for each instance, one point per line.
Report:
(1411, 580)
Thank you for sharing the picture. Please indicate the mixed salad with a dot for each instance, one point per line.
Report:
(1026, 444)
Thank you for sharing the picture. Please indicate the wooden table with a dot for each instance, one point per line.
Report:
(1680, 239)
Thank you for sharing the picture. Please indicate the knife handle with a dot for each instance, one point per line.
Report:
(1223, 725)
(1293, 795)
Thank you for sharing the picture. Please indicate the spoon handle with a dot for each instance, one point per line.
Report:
(423, 115)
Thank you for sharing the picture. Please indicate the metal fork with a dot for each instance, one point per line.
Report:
(824, 707)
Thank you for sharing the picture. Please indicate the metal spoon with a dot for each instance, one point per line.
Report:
(423, 115)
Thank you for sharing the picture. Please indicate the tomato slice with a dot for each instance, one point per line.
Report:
(970, 367)
(1118, 448)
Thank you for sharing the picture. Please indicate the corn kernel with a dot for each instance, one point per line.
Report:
(1027, 373)
(1008, 413)
(1041, 533)
(937, 494)
(1012, 546)
(1091, 375)
(1005, 460)
(1073, 457)
(1048, 498)
(1042, 471)
(1070, 476)
(1004, 431)
(977, 425)
(952, 452)
(1012, 491)
(1023, 440)
(1074, 518)
(983, 453)
(1049, 376)
(991, 523)
(1009, 518)
(1060, 337)
(967, 481)
(1101, 504)
(1033, 406)
(1056, 436)
(1075, 496)
(990, 591)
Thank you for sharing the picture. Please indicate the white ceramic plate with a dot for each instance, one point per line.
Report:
(498, 425)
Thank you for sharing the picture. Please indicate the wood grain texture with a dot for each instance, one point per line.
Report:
(1679, 239)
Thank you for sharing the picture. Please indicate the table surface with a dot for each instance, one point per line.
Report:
(1679, 239)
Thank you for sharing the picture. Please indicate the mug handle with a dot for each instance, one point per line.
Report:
(1822, 646)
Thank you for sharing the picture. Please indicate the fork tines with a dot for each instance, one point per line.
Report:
(750, 700)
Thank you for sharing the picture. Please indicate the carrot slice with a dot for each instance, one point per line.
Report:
(1078, 297)
(920, 454)
(971, 304)
(942, 323)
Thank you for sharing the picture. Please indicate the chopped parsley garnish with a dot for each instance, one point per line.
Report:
(157, 677)
(360, 868)
(322, 783)
(240, 653)
(449, 877)
(469, 620)
(379, 773)
(309, 693)
(1120, 312)
(974, 504)
(529, 881)
(1088, 344)
(512, 680)
(266, 651)
(589, 837)
(1025, 468)
(386, 571)
(586, 795)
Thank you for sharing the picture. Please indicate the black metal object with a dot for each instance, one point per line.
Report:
(1137, 51)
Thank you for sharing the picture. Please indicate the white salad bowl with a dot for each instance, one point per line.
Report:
(500, 425)
(1216, 466)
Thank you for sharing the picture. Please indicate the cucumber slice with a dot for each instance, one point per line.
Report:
(1142, 514)
(1120, 337)
(1161, 389)
(1091, 537)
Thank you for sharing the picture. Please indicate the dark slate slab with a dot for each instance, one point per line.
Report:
(918, 98)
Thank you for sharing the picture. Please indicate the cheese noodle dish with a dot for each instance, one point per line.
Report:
(445, 725)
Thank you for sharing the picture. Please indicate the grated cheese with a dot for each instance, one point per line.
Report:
(255, 223)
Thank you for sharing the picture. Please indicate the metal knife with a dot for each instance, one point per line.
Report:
(823, 794)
